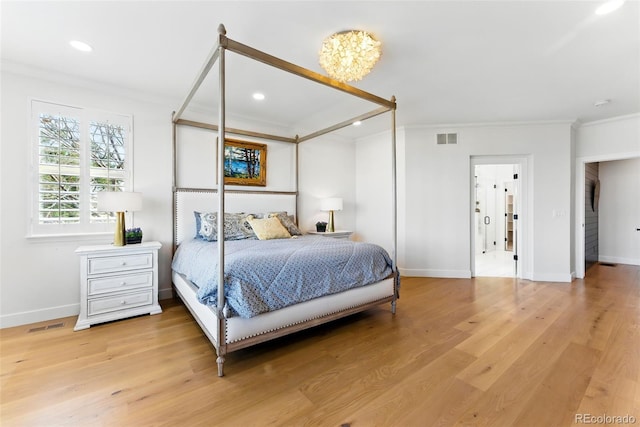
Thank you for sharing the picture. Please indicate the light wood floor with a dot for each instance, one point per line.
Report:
(483, 352)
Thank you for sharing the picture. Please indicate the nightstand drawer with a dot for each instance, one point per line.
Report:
(120, 283)
(121, 302)
(120, 263)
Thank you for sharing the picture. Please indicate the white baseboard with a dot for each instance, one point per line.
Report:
(553, 277)
(465, 274)
(451, 274)
(50, 313)
(34, 316)
(526, 275)
(618, 260)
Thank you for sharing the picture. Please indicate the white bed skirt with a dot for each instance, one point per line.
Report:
(239, 328)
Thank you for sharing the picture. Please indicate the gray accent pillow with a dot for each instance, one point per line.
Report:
(287, 221)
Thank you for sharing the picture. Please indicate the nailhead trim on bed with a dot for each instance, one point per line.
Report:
(297, 323)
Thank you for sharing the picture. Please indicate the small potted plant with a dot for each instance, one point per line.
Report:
(321, 226)
(133, 236)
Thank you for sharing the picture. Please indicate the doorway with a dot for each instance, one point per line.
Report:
(495, 217)
(586, 201)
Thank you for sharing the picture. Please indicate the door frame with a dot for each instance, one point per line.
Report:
(524, 240)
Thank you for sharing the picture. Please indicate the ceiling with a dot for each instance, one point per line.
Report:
(446, 62)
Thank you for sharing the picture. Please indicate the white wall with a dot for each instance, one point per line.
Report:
(326, 170)
(613, 139)
(39, 278)
(619, 211)
(374, 190)
(437, 239)
(197, 156)
(434, 185)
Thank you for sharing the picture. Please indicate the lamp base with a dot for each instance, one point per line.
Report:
(330, 227)
(118, 236)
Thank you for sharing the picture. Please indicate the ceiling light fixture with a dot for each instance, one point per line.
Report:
(81, 46)
(357, 123)
(258, 96)
(609, 7)
(349, 55)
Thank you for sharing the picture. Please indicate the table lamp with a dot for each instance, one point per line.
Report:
(331, 204)
(119, 202)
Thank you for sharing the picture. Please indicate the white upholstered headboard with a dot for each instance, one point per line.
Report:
(188, 201)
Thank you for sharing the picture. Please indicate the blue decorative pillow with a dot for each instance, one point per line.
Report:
(236, 226)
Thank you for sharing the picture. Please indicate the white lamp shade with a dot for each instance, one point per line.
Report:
(119, 201)
(331, 204)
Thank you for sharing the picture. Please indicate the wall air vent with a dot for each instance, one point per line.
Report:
(446, 138)
(46, 327)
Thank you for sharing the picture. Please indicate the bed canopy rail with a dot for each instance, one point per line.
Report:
(217, 55)
(237, 131)
(345, 123)
(224, 43)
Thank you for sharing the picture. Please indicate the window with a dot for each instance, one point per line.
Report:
(77, 153)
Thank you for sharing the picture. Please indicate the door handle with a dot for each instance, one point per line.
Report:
(487, 220)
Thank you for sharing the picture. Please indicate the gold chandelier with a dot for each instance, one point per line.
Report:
(349, 55)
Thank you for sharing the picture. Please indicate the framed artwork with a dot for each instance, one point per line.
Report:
(245, 163)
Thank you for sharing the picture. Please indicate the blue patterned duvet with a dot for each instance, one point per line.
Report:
(266, 275)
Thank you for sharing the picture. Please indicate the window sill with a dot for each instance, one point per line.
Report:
(78, 237)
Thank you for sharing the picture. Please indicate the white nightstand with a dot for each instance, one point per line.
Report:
(117, 282)
(340, 234)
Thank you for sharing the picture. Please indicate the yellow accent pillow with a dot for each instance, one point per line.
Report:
(268, 228)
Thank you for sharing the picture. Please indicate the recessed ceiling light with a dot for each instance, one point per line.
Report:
(357, 123)
(602, 102)
(258, 96)
(609, 7)
(81, 46)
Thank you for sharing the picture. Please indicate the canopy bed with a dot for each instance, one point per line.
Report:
(228, 309)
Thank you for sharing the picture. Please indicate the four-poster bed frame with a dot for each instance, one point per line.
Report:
(231, 334)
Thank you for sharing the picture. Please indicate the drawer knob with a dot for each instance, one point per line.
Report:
(123, 263)
(123, 283)
(123, 302)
